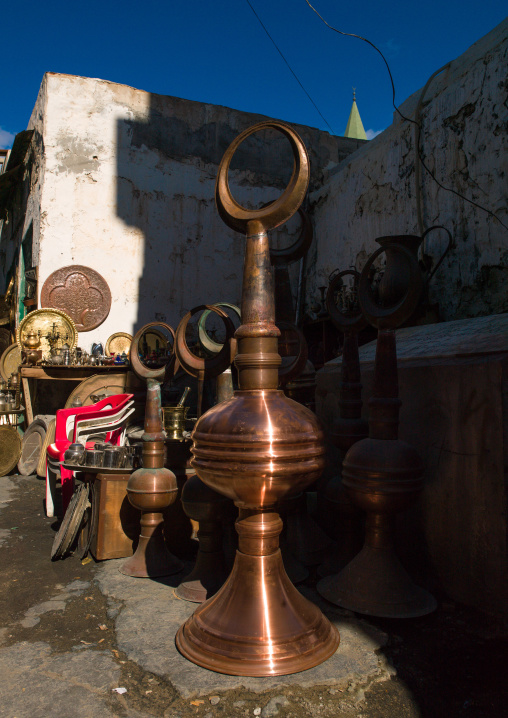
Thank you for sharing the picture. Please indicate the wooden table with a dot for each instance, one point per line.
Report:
(61, 373)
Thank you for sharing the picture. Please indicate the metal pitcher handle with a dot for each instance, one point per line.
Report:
(450, 243)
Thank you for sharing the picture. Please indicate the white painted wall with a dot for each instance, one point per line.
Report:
(129, 190)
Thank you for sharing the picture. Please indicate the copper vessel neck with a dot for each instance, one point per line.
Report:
(384, 405)
(258, 359)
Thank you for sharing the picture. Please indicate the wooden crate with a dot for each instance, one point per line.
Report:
(116, 522)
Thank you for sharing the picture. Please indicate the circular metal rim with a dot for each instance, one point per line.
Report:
(341, 321)
(298, 249)
(38, 312)
(71, 523)
(145, 372)
(395, 315)
(7, 467)
(293, 370)
(205, 340)
(3, 359)
(48, 439)
(212, 366)
(76, 268)
(277, 212)
(126, 335)
(109, 377)
(39, 427)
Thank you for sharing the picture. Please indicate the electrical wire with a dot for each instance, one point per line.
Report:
(408, 119)
(291, 69)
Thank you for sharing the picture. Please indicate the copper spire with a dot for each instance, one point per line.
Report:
(257, 448)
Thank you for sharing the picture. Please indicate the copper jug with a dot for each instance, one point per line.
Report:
(393, 284)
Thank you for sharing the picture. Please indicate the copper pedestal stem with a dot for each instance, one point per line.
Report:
(339, 516)
(383, 475)
(256, 448)
(199, 501)
(151, 489)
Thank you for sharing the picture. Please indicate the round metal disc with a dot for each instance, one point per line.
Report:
(118, 343)
(98, 384)
(10, 361)
(10, 449)
(80, 292)
(31, 446)
(48, 439)
(71, 523)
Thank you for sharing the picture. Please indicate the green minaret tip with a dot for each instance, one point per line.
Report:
(354, 127)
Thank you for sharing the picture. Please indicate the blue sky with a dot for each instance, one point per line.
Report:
(217, 52)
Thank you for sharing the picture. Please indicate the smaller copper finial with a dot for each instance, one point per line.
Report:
(152, 488)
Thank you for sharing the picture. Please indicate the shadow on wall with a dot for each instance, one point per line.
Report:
(167, 162)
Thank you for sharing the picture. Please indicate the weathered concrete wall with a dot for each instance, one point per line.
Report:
(464, 143)
(129, 190)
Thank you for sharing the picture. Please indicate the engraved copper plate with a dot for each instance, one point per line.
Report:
(81, 293)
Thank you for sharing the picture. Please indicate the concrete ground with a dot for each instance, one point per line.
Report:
(82, 640)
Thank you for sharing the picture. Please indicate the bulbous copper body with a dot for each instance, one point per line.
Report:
(257, 447)
(153, 487)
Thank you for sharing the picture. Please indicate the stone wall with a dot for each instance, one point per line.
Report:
(464, 143)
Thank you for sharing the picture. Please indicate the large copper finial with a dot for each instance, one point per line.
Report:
(257, 448)
(153, 487)
(381, 473)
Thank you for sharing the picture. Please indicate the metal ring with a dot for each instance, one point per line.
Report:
(299, 248)
(395, 315)
(212, 366)
(345, 323)
(252, 221)
(204, 339)
(295, 368)
(141, 370)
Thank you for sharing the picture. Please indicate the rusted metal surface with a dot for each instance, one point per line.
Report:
(80, 292)
(381, 473)
(152, 488)
(257, 448)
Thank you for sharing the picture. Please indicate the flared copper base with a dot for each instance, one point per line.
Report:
(207, 576)
(152, 558)
(376, 584)
(258, 624)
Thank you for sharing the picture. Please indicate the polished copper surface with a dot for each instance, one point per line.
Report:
(285, 633)
(152, 488)
(256, 448)
(80, 292)
(382, 475)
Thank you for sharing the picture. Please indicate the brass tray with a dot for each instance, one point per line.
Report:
(118, 343)
(10, 449)
(97, 384)
(42, 320)
(10, 361)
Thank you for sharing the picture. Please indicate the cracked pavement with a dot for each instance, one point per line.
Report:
(83, 640)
